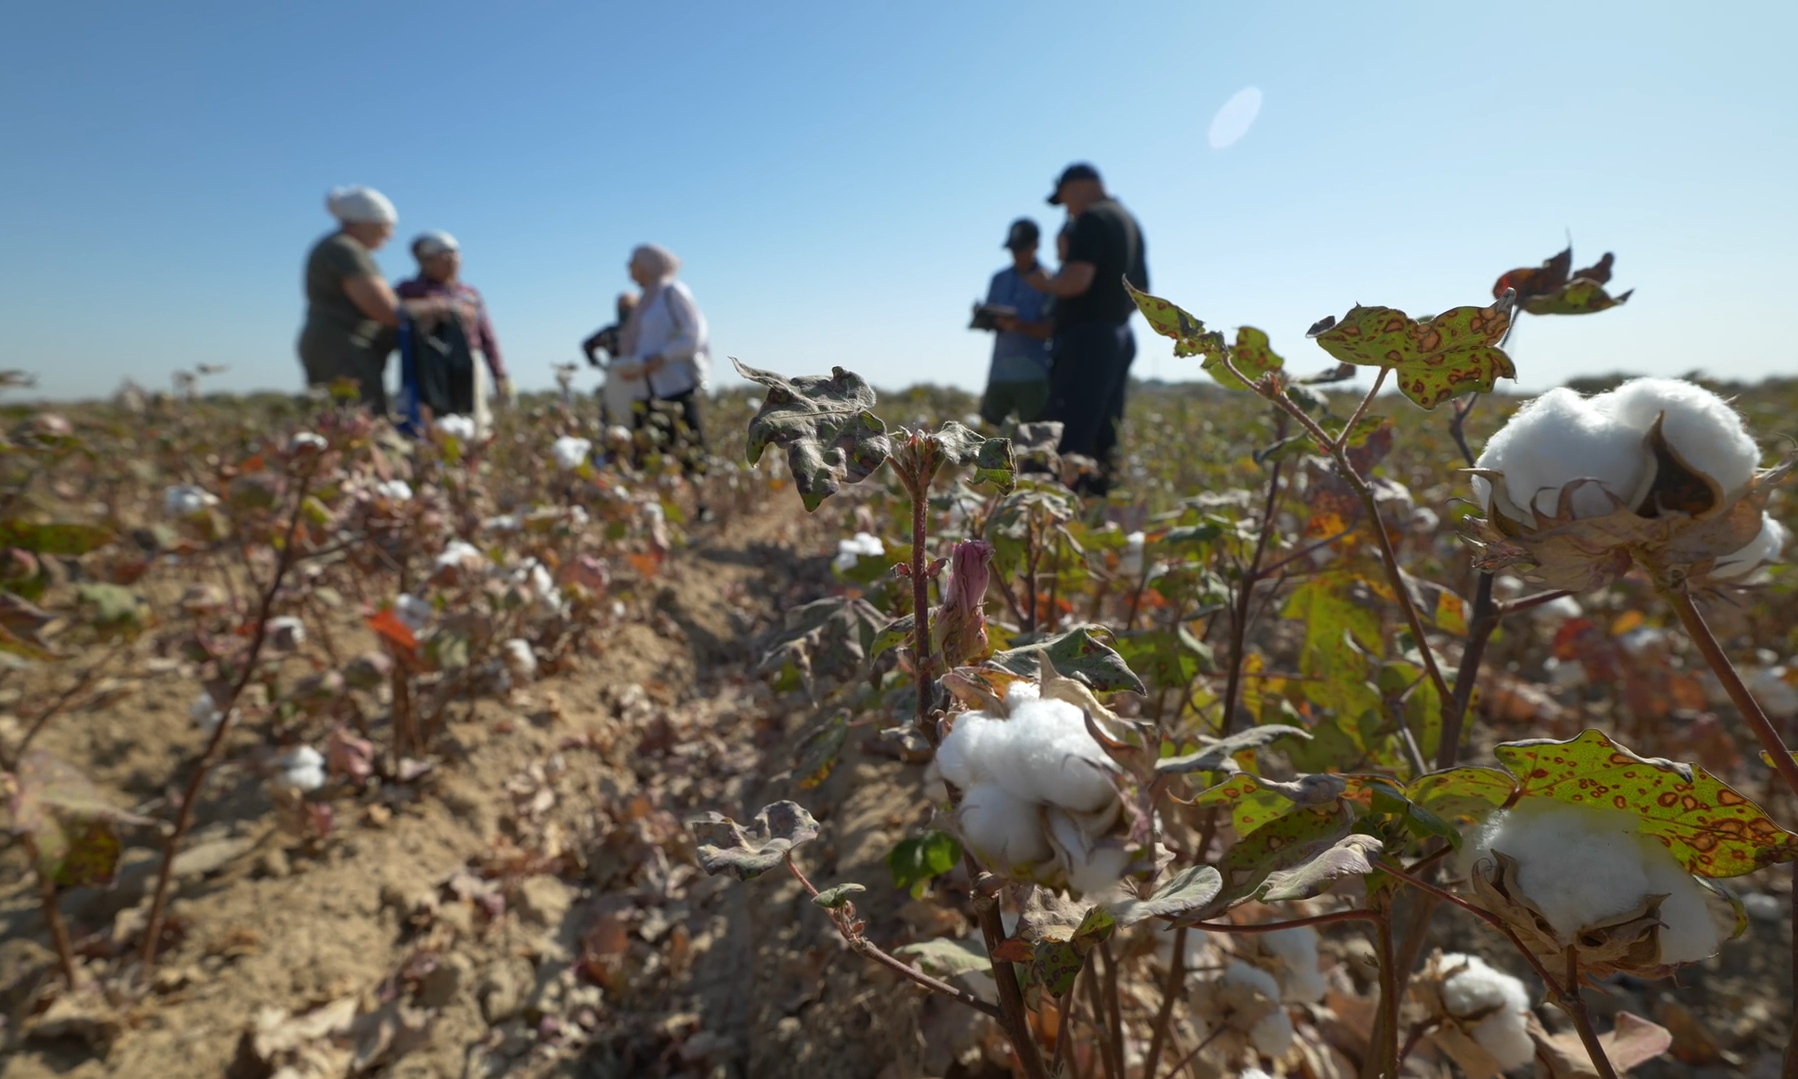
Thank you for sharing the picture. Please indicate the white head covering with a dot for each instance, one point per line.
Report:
(435, 242)
(661, 262)
(357, 205)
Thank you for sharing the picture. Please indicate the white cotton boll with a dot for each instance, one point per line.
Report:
(1556, 611)
(1556, 439)
(302, 767)
(1301, 982)
(1253, 1073)
(1478, 989)
(394, 490)
(205, 713)
(1130, 562)
(307, 442)
(577, 518)
(570, 452)
(1019, 692)
(1006, 832)
(1702, 428)
(413, 612)
(457, 427)
(965, 753)
(1565, 674)
(505, 522)
(618, 435)
(1053, 759)
(187, 500)
(1272, 1034)
(1766, 546)
(861, 545)
(1582, 865)
(1099, 872)
(1426, 520)
(460, 554)
(520, 661)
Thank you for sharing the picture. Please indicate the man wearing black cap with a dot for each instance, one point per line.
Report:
(1093, 345)
(1019, 379)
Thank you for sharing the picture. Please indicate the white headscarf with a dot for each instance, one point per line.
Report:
(663, 264)
(660, 261)
(357, 205)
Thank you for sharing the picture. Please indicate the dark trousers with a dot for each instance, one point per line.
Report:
(1087, 380)
(680, 417)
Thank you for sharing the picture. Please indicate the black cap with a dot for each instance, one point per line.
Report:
(1079, 170)
(1023, 233)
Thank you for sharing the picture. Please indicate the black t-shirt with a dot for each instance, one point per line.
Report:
(1108, 237)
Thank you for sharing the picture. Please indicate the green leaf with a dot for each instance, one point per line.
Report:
(1433, 358)
(1217, 756)
(1581, 296)
(1165, 659)
(1189, 334)
(818, 753)
(826, 425)
(1075, 653)
(945, 958)
(1712, 829)
(745, 853)
(57, 539)
(915, 862)
(1346, 857)
(832, 898)
(1256, 801)
(1187, 890)
(1054, 964)
(990, 457)
(73, 828)
(1252, 356)
(1462, 793)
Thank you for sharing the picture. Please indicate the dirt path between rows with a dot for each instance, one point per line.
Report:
(531, 908)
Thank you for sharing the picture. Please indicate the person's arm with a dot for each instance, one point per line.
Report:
(373, 298)
(1073, 279)
(592, 344)
(489, 344)
(1042, 330)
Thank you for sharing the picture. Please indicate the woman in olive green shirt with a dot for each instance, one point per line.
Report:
(351, 313)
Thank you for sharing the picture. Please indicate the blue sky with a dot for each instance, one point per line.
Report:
(838, 177)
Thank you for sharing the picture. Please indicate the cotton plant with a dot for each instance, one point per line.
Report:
(1657, 472)
(187, 501)
(1039, 797)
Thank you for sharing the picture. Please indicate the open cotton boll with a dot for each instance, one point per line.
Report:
(1130, 562)
(1301, 982)
(852, 550)
(1050, 757)
(1479, 990)
(413, 612)
(205, 713)
(394, 490)
(1582, 865)
(1003, 830)
(1272, 1034)
(520, 661)
(1702, 428)
(1099, 871)
(1765, 547)
(570, 452)
(965, 750)
(308, 442)
(457, 427)
(302, 767)
(1556, 439)
(187, 500)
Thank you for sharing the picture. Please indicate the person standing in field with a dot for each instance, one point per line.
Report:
(1018, 380)
(664, 344)
(1093, 346)
(619, 395)
(351, 314)
(463, 340)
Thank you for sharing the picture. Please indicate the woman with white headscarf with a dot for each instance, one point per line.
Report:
(349, 308)
(663, 343)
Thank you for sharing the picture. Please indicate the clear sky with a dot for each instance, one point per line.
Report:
(838, 176)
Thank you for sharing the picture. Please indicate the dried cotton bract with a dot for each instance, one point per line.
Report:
(1659, 472)
(1039, 801)
(1566, 874)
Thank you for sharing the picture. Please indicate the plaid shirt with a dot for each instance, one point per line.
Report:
(480, 335)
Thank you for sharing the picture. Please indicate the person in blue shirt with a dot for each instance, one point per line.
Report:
(1018, 382)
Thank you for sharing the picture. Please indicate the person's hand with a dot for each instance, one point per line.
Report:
(654, 363)
(507, 395)
(1007, 323)
(630, 372)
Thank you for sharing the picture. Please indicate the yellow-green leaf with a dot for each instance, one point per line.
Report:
(1433, 359)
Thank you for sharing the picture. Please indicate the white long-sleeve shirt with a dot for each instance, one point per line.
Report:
(673, 328)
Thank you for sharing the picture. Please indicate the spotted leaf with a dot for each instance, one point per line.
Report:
(1433, 359)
